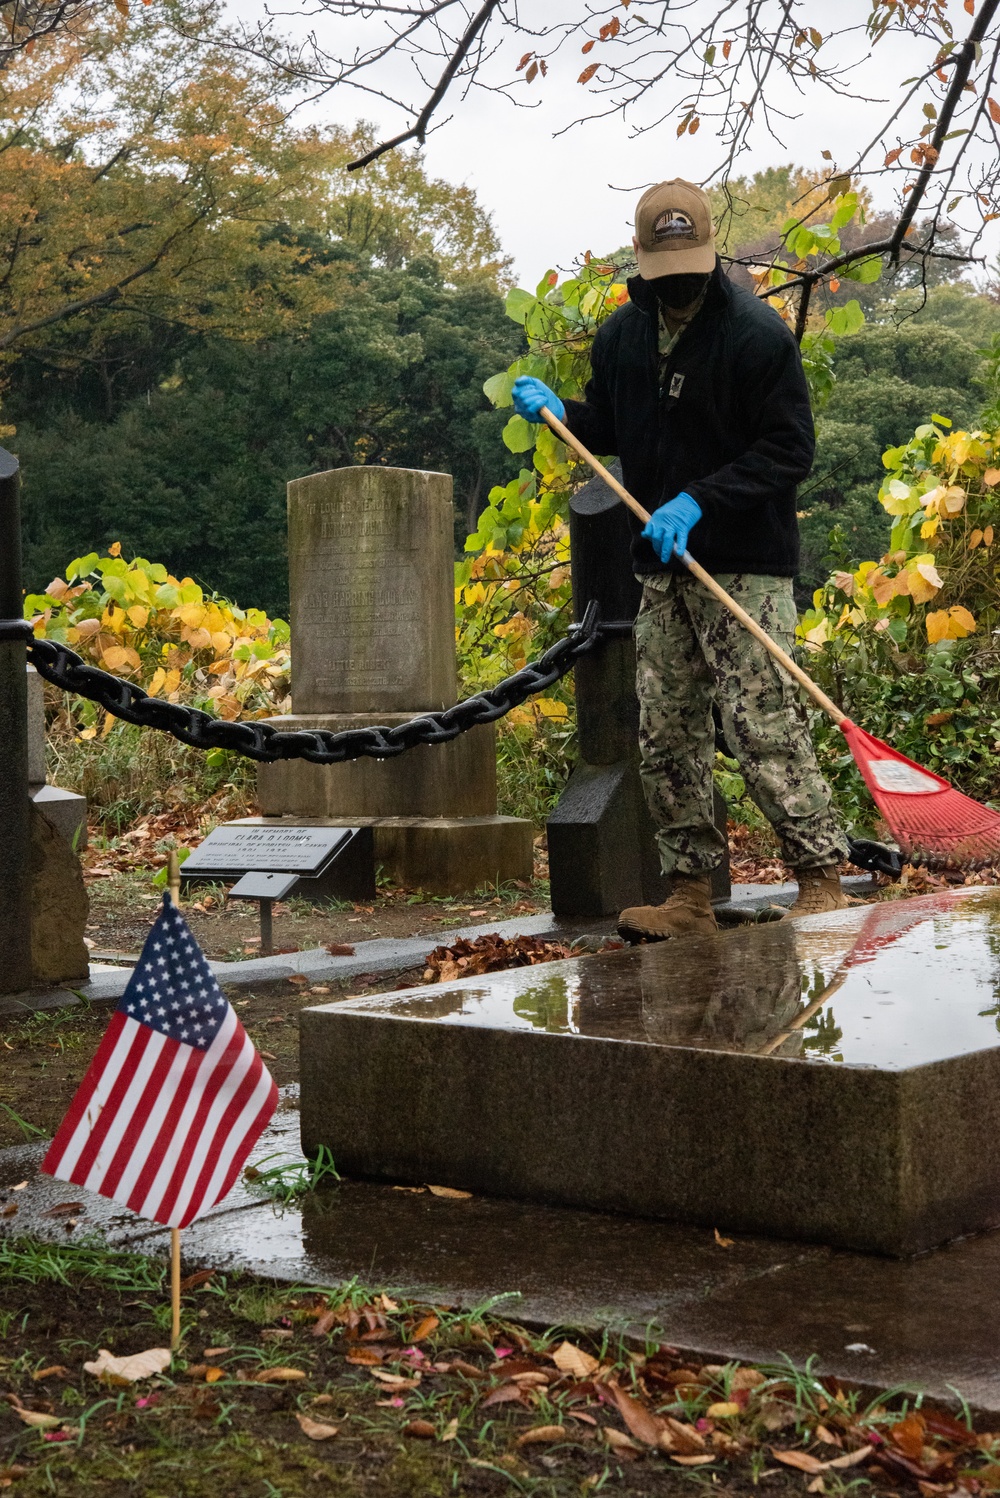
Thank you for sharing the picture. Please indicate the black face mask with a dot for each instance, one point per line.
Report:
(679, 291)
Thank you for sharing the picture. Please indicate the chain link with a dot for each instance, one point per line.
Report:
(262, 741)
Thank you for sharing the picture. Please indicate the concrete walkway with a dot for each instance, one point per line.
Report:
(930, 1323)
(392, 955)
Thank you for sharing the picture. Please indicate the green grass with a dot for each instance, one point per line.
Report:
(90, 1262)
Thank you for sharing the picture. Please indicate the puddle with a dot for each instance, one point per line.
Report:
(893, 986)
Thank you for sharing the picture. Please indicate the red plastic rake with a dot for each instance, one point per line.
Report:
(932, 822)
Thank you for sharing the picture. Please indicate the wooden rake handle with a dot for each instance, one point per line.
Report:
(705, 578)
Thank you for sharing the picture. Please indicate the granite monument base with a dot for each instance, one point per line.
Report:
(440, 855)
(455, 779)
(834, 1079)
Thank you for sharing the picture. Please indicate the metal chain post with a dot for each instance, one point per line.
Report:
(15, 808)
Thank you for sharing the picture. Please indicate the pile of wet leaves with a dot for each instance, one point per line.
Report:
(274, 1388)
(493, 953)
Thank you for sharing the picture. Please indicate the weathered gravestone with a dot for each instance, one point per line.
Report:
(371, 573)
(835, 1078)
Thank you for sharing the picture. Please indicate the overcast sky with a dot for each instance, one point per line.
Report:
(554, 195)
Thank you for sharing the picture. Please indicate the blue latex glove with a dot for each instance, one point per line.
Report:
(530, 395)
(668, 527)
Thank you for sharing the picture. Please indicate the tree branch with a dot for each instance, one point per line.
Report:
(418, 129)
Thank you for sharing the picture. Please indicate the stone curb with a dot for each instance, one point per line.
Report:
(387, 954)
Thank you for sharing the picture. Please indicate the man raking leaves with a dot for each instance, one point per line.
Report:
(688, 654)
(698, 387)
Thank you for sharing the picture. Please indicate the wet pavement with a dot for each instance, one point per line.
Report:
(931, 1322)
(392, 954)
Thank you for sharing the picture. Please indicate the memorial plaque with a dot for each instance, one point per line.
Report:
(370, 555)
(235, 850)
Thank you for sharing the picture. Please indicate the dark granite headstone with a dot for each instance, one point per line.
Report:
(602, 841)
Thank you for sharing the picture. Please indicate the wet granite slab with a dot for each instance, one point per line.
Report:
(835, 1079)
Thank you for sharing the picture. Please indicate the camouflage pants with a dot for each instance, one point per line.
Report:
(691, 652)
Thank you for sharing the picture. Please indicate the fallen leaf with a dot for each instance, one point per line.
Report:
(56, 1371)
(747, 1378)
(277, 1375)
(723, 1242)
(215, 1352)
(687, 1440)
(574, 1361)
(9, 1210)
(394, 1380)
(450, 1431)
(909, 1435)
(299, 979)
(691, 1461)
(619, 1440)
(541, 1435)
(212, 1375)
(365, 1356)
(420, 1430)
(450, 1193)
(325, 1323)
(852, 1458)
(38, 1420)
(641, 1422)
(426, 1326)
(316, 1430)
(129, 1370)
(63, 1209)
(276, 1334)
(506, 1394)
(19, 1187)
(725, 1410)
(798, 1459)
(388, 1304)
(339, 949)
(200, 1277)
(816, 1486)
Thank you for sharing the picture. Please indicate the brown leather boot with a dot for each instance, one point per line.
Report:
(819, 892)
(688, 912)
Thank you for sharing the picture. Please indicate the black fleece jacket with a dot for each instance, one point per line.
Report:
(731, 425)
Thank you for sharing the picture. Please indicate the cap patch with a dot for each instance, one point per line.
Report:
(673, 225)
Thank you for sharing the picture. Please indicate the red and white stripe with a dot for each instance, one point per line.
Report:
(162, 1127)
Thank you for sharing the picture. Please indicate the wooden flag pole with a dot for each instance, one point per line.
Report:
(175, 1288)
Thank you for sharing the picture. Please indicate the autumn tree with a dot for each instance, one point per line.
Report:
(145, 178)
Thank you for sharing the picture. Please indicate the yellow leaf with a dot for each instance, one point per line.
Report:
(138, 614)
(198, 639)
(954, 500)
(88, 733)
(991, 477)
(191, 614)
(229, 707)
(115, 550)
(930, 527)
(963, 618)
(541, 1435)
(173, 681)
(221, 642)
(158, 678)
(723, 1411)
(974, 539)
(38, 1420)
(277, 1375)
(115, 657)
(988, 536)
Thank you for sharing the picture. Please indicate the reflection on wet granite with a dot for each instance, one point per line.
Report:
(832, 1079)
(893, 985)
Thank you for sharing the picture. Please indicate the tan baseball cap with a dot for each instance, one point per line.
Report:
(673, 224)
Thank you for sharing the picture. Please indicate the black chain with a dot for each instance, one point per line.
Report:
(261, 741)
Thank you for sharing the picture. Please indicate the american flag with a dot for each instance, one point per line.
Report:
(176, 1095)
